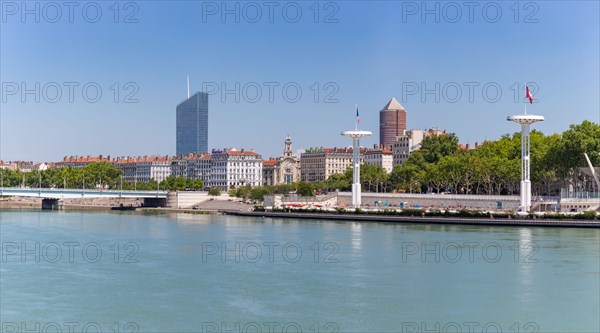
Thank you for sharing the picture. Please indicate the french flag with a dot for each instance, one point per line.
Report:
(357, 116)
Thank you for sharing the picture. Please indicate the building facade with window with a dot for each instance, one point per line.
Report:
(192, 166)
(233, 168)
(143, 169)
(284, 169)
(380, 156)
(317, 164)
(410, 141)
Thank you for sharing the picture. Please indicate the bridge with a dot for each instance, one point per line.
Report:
(52, 196)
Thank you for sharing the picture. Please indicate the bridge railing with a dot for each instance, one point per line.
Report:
(79, 193)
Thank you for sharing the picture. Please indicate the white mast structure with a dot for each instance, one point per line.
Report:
(525, 120)
(356, 135)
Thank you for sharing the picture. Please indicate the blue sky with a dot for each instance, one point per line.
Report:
(365, 54)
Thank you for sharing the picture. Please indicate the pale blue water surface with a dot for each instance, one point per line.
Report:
(128, 272)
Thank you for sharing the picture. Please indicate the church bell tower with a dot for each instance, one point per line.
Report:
(287, 151)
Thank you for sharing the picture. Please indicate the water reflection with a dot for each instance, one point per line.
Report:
(356, 234)
(524, 252)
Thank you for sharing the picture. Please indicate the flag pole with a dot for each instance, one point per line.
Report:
(526, 97)
(356, 106)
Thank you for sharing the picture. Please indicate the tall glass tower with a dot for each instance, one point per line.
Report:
(192, 125)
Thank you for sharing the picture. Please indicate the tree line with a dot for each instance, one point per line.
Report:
(96, 175)
(493, 168)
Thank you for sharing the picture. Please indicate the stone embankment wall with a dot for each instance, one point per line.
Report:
(383, 200)
(450, 201)
(189, 199)
(330, 200)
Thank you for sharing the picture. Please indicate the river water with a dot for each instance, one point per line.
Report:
(135, 272)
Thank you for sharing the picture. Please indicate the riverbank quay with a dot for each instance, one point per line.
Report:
(37, 206)
(132, 205)
(516, 222)
(178, 210)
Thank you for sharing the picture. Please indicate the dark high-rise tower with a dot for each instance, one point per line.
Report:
(192, 125)
(392, 122)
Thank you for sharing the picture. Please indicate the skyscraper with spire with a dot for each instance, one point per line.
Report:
(192, 125)
(392, 123)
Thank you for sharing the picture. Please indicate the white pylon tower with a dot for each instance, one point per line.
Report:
(525, 120)
(356, 135)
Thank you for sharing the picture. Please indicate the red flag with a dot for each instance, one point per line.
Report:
(528, 95)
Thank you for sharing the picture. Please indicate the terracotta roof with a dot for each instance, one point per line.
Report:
(193, 157)
(378, 151)
(139, 159)
(245, 152)
(269, 162)
(85, 159)
(233, 151)
(332, 150)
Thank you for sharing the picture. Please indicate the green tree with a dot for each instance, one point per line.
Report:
(305, 189)
(10, 178)
(579, 139)
(214, 191)
(283, 188)
(243, 192)
(406, 178)
(416, 158)
(73, 177)
(339, 181)
(100, 174)
(569, 156)
(232, 191)
(435, 147)
(196, 185)
(180, 183)
(168, 183)
(373, 178)
(259, 192)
